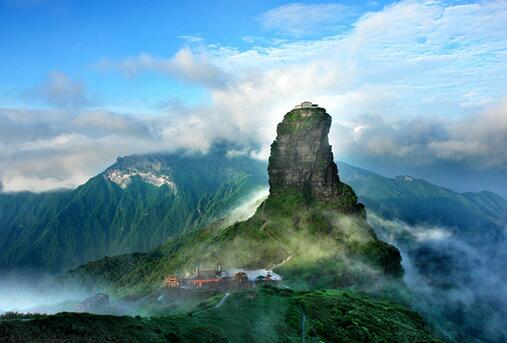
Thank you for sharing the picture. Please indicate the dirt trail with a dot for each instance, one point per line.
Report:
(222, 300)
(281, 263)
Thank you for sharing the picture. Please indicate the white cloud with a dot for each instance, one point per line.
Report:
(395, 228)
(300, 19)
(478, 140)
(410, 76)
(44, 150)
(59, 149)
(60, 91)
(184, 65)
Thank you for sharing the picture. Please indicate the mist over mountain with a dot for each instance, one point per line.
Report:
(134, 205)
(309, 223)
(459, 283)
(453, 244)
(453, 247)
(473, 216)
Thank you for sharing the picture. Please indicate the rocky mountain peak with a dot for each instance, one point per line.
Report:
(149, 169)
(302, 158)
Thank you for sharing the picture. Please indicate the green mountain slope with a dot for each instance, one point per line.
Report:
(258, 315)
(477, 216)
(325, 248)
(454, 249)
(134, 205)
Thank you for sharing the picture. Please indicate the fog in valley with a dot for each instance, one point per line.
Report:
(35, 292)
(459, 284)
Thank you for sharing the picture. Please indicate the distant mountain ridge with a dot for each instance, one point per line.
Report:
(476, 216)
(453, 246)
(134, 205)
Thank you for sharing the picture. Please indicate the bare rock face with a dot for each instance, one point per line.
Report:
(301, 158)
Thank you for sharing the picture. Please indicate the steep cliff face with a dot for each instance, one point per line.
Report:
(301, 158)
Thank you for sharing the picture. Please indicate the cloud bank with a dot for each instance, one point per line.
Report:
(415, 85)
(457, 283)
(60, 91)
(185, 65)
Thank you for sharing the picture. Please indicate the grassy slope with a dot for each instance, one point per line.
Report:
(261, 315)
(314, 234)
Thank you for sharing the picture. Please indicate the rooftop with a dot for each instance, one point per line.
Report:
(306, 104)
(206, 274)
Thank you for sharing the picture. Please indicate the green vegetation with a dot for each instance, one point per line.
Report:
(58, 230)
(285, 226)
(345, 316)
(476, 216)
(264, 314)
(296, 120)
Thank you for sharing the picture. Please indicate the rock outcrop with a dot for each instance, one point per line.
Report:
(301, 158)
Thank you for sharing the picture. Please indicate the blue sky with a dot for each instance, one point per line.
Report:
(74, 36)
(416, 87)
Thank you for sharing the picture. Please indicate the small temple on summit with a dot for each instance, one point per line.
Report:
(305, 104)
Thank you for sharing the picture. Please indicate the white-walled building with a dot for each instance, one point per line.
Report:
(306, 104)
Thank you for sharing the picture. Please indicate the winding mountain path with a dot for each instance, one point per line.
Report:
(222, 300)
(281, 263)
